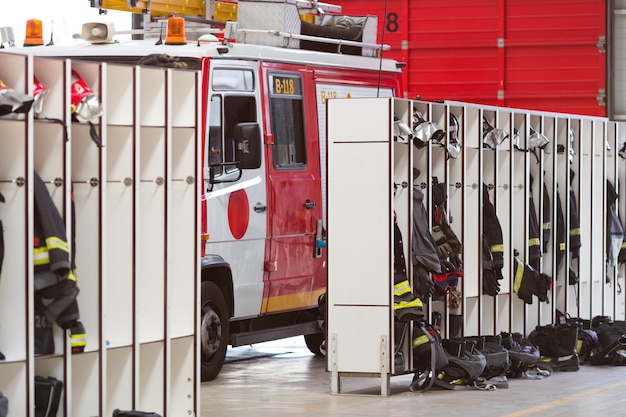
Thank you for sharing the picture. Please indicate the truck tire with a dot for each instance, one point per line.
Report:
(213, 330)
(314, 342)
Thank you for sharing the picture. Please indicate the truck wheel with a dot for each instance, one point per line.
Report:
(213, 330)
(313, 342)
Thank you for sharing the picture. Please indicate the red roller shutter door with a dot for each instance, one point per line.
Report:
(544, 55)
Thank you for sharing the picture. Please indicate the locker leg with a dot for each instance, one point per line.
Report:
(335, 379)
(384, 368)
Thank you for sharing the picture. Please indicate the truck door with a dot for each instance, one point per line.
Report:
(235, 198)
(295, 276)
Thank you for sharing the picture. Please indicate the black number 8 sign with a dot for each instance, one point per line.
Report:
(392, 22)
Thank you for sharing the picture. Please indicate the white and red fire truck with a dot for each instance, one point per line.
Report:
(265, 79)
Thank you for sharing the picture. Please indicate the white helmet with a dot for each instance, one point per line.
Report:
(571, 152)
(492, 137)
(537, 140)
(454, 137)
(400, 127)
(423, 131)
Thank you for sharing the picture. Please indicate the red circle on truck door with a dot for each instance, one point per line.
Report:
(238, 213)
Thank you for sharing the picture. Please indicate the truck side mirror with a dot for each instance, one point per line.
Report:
(248, 144)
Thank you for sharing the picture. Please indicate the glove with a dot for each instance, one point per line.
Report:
(443, 247)
(451, 238)
(423, 283)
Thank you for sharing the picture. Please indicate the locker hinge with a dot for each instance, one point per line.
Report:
(601, 44)
(500, 42)
(404, 45)
(500, 94)
(601, 97)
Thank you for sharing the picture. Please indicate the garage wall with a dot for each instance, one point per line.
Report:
(540, 55)
(617, 57)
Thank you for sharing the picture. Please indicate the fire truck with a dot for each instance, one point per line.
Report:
(267, 68)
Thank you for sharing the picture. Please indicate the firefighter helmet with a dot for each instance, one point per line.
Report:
(85, 102)
(454, 137)
(622, 151)
(424, 131)
(537, 140)
(570, 149)
(516, 143)
(400, 127)
(12, 101)
(492, 137)
(560, 148)
(40, 92)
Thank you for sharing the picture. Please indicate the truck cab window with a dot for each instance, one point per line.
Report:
(287, 119)
(232, 102)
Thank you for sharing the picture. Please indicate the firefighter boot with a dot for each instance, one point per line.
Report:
(566, 357)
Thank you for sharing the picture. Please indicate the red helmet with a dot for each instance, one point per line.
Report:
(85, 103)
(40, 92)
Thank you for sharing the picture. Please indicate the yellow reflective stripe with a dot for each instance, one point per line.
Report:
(519, 273)
(546, 226)
(401, 288)
(421, 340)
(407, 304)
(562, 246)
(56, 243)
(534, 241)
(79, 339)
(41, 256)
(579, 346)
(574, 232)
(497, 248)
(71, 276)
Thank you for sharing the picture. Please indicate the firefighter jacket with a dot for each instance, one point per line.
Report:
(560, 231)
(405, 304)
(574, 221)
(423, 245)
(561, 235)
(546, 226)
(492, 231)
(54, 276)
(534, 243)
(622, 253)
(614, 229)
(493, 246)
(528, 282)
(448, 244)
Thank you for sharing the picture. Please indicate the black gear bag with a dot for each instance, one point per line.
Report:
(523, 355)
(4, 405)
(47, 396)
(465, 366)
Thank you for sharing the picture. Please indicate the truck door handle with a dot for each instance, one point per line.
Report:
(260, 208)
(310, 205)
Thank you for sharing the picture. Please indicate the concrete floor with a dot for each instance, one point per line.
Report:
(284, 379)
